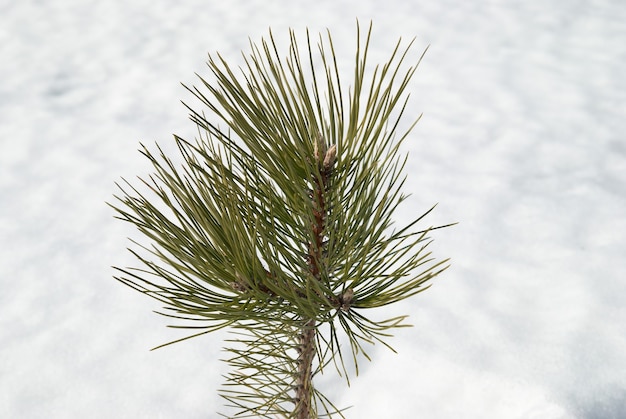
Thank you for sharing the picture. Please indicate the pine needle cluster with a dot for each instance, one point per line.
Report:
(278, 223)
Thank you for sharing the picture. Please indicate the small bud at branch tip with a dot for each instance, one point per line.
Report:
(331, 156)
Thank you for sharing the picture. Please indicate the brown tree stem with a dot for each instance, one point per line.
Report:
(325, 160)
(304, 388)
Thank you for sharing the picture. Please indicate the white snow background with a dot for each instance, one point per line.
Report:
(522, 142)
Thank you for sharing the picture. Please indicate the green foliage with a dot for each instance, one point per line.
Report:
(279, 222)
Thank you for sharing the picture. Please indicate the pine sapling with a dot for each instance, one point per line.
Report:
(277, 220)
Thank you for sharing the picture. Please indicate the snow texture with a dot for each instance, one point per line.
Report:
(522, 142)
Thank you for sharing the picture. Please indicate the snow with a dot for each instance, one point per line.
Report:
(522, 142)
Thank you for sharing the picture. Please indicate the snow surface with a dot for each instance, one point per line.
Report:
(522, 142)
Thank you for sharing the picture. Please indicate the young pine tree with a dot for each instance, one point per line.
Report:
(278, 223)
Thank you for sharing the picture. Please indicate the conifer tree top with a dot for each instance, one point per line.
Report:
(279, 221)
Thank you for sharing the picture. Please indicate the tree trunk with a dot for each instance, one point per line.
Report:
(304, 388)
